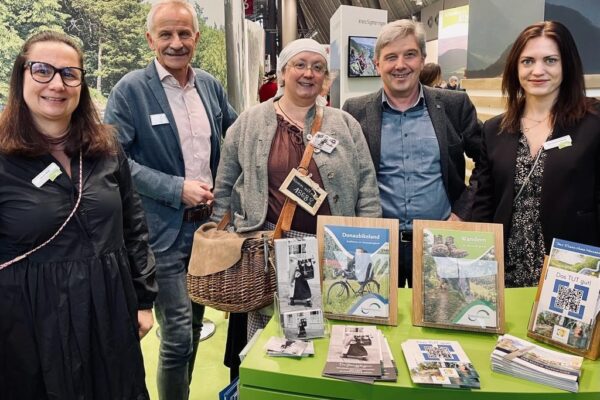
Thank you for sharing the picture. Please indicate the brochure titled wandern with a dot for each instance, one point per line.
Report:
(299, 288)
(356, 271)
(570, 297)
(440, 363)
(460, 278)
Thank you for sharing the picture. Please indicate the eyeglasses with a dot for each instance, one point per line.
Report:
(316, 68)
(43, 73)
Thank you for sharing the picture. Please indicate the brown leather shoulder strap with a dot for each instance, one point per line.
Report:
(284, 222)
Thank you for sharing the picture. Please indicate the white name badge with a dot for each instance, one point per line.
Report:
(51, 172)
(158, 119)
(561, 142)
(324, 142)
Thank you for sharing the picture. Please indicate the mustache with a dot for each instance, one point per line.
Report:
(171, 52)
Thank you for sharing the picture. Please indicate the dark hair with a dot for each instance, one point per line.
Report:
(571, 104)
(430, 74)
(18, 133)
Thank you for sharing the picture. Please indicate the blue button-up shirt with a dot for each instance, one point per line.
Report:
(410, 173)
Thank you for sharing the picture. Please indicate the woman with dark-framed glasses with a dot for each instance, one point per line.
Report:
(76, 273)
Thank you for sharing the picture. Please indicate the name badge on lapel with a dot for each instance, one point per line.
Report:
(324, 142)
(304, 191)
(51, 172)
(561, 142)
(158, 119)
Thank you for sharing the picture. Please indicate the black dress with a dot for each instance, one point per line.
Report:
(68, 313)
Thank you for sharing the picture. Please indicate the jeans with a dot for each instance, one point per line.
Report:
(180, 321)
(405, 258)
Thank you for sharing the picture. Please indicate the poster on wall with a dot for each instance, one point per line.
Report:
(453, 38)
(113, 41)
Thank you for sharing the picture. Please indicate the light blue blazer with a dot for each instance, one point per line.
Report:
(154, 152)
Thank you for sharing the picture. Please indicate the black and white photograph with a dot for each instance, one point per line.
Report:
(354, 350)
(299, 288)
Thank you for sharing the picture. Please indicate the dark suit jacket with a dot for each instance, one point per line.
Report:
(570, 203)
(457, 129)
(154, 151)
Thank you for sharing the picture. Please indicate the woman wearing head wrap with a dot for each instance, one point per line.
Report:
(268, 141)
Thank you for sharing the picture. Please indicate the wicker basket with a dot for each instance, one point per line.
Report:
(244, 287)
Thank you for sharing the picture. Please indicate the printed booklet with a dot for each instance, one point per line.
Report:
(299, 288)
(523, 359)
(439, 363)
(282, 347)
(570, 296)
(354, 353)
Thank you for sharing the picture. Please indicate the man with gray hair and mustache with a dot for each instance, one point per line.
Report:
(170, 118)
(417, 137)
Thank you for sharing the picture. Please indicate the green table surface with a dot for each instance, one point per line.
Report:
(270, 378)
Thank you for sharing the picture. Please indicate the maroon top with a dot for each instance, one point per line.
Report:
(286, 153)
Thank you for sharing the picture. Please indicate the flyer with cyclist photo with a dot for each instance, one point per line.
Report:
(357, 274)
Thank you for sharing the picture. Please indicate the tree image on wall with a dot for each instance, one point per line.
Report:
(112, 35)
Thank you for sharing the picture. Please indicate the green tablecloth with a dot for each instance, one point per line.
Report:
(269, 378)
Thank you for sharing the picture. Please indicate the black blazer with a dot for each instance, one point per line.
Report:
(457, 129)
(570, 203)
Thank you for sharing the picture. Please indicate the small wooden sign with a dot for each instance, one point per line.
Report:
(304, 191)
(458, 275)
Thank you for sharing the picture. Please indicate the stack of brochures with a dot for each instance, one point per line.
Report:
(359, 354)
(523, 359)
(439, 363)
(282, 347)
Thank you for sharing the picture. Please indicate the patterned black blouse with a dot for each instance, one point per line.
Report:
(525, 255)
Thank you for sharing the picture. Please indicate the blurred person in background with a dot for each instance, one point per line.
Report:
(269, 88)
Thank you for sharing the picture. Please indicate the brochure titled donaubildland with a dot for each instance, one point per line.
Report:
(356, 271)
(439, 362)
(299, 288)
(460, 274)
(570, 297)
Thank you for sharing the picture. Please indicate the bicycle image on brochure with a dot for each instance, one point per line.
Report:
(356, 271)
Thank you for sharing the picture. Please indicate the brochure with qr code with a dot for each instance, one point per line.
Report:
(570, 295)
(439, 363)
(523, 359)
(299, 288)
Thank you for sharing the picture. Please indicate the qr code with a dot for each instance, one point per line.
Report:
(438, 352)
(568, 298)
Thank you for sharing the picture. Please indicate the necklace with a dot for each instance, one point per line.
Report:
(536, 123)
(59, 140)
(301, 126)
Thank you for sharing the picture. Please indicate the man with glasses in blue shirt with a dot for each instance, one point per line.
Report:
(417, 137)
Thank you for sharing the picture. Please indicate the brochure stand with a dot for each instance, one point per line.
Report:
(563, 332)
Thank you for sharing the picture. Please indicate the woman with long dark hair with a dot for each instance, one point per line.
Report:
(76, 273)
(540, 170)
